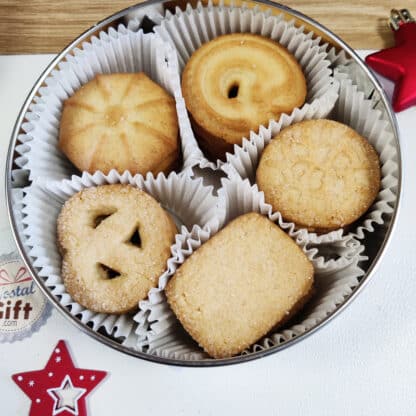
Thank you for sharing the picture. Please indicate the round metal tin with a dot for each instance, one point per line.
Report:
(378, 240)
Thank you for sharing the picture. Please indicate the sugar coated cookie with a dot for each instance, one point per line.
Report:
(320, 174)
(239, 285)
(115, 241)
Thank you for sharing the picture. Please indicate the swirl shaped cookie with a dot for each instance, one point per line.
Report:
(115, 241)
(120, 121)
(320, 174)
(235, 83)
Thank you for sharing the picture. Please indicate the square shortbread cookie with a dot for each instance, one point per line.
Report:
(239, 285)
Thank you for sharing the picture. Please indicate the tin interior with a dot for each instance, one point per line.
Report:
(375, 242)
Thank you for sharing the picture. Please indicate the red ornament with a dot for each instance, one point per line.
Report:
(60, 388)
(399, 63)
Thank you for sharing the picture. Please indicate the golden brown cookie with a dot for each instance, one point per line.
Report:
(320, 174)
(239, 285)
(115, 241)
(235, 83)
(123, 122)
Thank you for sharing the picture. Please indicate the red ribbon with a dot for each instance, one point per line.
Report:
(21, 276)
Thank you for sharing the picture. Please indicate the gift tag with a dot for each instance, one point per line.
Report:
(23, 307)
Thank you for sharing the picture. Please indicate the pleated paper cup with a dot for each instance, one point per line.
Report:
(362, 114)
(159, 331)
(136, 18)
(328, 253)
(187, 30)
(17, 201)
(155, 319)
(361, 107)
(357, 111)
(186, 199)
(334, 289)
(121, 50)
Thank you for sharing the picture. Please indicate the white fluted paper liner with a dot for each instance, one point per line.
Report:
(242, 165)
(337, 57)
(153, 12)
(188, 30)
(346, 68)
(122, 50)
(363, 116)
(187, 199)
(353, 109)
(333, 290)
(328, 253)
(155, 318)
(351, 70)
(17, 206)
(159, 331)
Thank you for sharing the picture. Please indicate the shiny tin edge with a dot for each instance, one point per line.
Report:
(112, 20)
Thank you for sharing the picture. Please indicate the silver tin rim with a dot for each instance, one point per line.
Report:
(112, 20)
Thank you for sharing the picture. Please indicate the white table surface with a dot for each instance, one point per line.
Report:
(362, 363)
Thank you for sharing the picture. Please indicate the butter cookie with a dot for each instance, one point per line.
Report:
(320, 174)
(120, 121)
(243, 282)
(235, 83)
(115, 241)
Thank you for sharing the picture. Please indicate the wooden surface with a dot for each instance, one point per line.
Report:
(40, 26)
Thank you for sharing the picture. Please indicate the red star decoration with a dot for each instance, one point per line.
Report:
(60, 388)
(399, 65)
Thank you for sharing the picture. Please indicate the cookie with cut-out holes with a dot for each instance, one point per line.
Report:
(320, 174)
(123, 122)
(115, 241)
(235, 83)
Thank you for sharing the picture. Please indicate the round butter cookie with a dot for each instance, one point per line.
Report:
(320, 174)
(235, 83)
(115, 241)
(120, 121)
